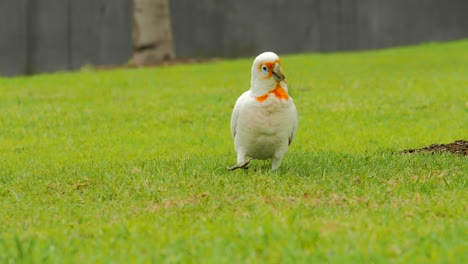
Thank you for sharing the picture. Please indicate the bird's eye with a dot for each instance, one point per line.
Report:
(264, 70)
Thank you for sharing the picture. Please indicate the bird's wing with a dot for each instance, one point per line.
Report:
(293, 116)
(235, 114)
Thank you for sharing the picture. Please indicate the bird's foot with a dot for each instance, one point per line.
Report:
(243, 165)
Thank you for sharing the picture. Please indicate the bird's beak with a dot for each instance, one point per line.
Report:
(278, 73)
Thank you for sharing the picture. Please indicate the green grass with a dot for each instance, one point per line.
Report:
(129, 165)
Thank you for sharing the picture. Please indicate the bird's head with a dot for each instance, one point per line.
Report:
(266, 72)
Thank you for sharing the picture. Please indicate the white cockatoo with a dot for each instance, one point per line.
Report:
(264, 119)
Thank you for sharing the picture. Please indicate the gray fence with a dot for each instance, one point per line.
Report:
(50, 35)
(206, 28)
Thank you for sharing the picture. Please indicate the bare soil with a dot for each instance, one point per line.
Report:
(168, 62)
(459, 147)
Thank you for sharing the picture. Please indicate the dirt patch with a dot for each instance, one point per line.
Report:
(157, 64)
(459, 147)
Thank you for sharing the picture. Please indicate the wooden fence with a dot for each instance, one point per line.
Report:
(206, 28)
(50, 35)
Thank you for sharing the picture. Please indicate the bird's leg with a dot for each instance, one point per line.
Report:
(275, 163)
(243, 165)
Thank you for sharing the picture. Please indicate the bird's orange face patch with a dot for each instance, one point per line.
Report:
(279, 93)
(270, 66)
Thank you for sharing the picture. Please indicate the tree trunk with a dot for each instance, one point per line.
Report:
(152, 36)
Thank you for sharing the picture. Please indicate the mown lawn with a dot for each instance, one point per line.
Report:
(129, 165)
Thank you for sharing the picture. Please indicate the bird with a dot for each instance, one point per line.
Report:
(264, 119)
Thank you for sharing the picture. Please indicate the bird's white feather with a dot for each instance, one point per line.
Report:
(264, 123)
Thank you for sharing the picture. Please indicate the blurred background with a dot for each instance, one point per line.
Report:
(56, 35)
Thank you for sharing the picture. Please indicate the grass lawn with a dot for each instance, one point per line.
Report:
(129, 165)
